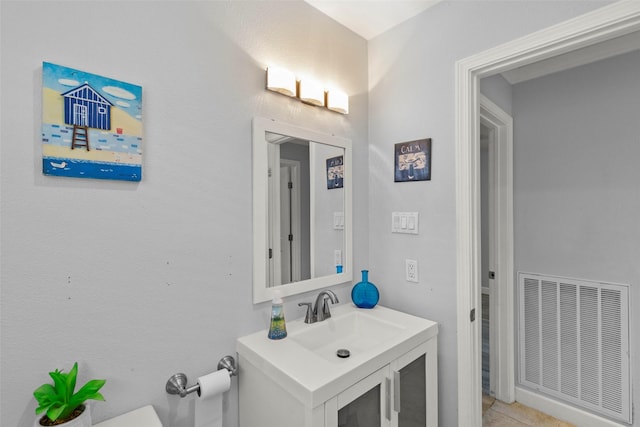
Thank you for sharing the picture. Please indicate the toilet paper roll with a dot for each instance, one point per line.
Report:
(209, 403)
(214, 383)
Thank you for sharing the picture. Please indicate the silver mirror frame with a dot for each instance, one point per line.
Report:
(261, 292)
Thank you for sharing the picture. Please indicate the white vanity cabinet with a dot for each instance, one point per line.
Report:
(402, 394)
(391, 383)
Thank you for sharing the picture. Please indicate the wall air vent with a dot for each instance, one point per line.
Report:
(574, 342)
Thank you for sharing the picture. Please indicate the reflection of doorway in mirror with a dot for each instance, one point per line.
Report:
(288, 211)
(289, 221)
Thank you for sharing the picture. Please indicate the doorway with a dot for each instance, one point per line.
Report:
(486, 190)
(602, 25)
(496, 282)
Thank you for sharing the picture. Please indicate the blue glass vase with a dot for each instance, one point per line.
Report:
(365, 294)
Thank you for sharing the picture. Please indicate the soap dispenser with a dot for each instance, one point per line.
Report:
(278, 328)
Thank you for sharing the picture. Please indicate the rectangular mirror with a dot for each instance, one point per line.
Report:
(301, 209)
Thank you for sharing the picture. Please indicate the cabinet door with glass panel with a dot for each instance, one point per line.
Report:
(415, 385)
(401, 394)
(365, 404)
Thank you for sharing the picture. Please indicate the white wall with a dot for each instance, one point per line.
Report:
(411, 83)
(138, 281)
(576, 176)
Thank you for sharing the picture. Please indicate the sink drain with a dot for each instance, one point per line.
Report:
(343, 353)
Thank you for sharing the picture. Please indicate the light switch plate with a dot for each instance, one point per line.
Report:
(404, 222)
(338, 220)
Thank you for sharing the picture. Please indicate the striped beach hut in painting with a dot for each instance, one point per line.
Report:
(84, 106)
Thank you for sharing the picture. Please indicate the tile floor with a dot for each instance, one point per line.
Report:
(498, 414)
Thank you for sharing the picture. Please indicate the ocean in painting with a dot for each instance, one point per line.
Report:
(74, 168)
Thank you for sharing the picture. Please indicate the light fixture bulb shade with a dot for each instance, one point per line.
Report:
(338, 101)
(311, 92)
(281, 81)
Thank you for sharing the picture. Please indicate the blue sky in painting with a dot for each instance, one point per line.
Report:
(125, 96)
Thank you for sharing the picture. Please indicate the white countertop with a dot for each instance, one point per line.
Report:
(314, 379)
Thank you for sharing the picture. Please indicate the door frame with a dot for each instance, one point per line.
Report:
(501, 289)
(603, 24)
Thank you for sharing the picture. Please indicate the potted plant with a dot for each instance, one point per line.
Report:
(63, 407)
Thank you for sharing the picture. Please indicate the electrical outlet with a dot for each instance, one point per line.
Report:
(411, 270)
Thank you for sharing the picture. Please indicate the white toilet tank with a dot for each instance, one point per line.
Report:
(143, 417)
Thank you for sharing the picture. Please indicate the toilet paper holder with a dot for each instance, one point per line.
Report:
(177, 384)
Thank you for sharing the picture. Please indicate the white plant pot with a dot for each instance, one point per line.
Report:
(84, 420)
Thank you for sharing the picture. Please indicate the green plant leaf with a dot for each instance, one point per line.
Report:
(66, 413)
(45, 395)
(71, 381)
(60, 383)
(45, 392)
(54, 412)
(92, 386)
(88, 391)
(58, 400)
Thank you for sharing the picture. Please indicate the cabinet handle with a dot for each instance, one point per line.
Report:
(396, 391)
(388, 399)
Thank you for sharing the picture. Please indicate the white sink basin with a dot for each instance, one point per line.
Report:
(355, 331)
(306, 363)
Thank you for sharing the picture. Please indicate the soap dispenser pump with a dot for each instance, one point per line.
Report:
(278, 328)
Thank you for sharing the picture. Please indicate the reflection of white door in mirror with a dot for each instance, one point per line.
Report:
(295, 240)
(290, 250)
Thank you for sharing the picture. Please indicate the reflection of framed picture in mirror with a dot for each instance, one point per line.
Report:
(335, 172)
(413, 160)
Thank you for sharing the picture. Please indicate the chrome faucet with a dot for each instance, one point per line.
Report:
(320, 311)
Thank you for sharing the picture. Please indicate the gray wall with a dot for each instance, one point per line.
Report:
(411, 83)
(139, 281)
(576, 175)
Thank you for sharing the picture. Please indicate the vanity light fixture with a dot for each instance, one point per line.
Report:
(338, 101)
(281, 81)
(306, 90)
(311, 92)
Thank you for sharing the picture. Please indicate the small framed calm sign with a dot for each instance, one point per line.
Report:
(413, 160)
(335, 172)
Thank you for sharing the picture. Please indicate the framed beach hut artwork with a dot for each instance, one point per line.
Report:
(413, 160)
(91, 125)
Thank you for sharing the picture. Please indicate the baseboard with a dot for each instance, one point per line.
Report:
(562, 411)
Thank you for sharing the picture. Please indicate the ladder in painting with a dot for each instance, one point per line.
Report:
(80, 137)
